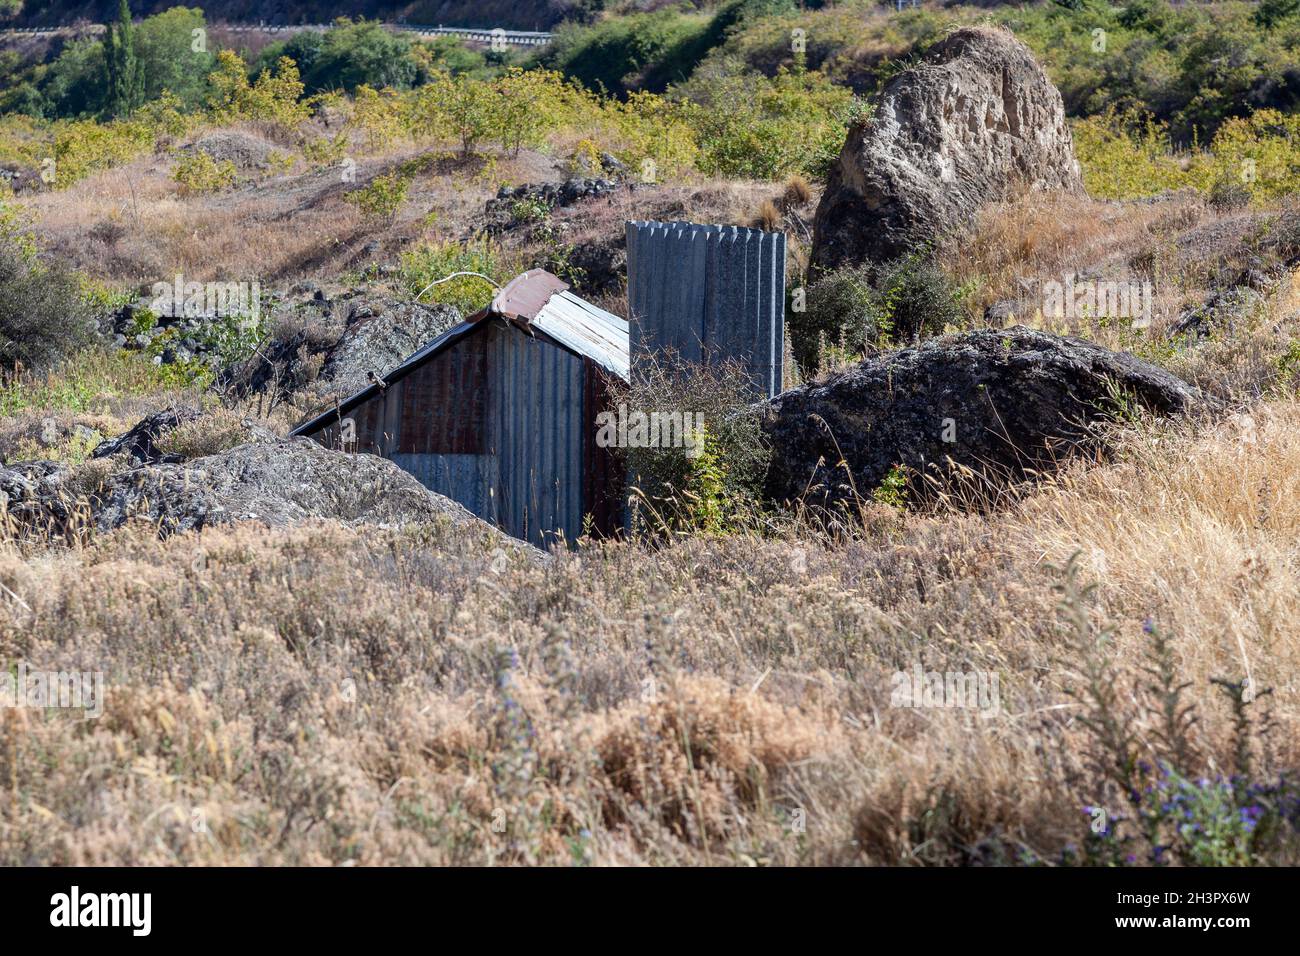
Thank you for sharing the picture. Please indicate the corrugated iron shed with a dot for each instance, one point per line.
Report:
(535, 301)
(498, 412)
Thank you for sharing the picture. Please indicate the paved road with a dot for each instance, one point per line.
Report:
(486, 35)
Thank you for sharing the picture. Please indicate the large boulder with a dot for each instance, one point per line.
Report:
(1004, 404)
(380, 334)
(273, 481)
(976, 120)
(328, 347)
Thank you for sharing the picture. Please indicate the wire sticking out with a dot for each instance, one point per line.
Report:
(456, 275)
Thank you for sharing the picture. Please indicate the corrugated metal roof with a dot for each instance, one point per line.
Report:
(534, 302)
(583, 328)
(523, 297)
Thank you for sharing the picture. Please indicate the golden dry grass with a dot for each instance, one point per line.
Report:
(322, 695)
(1039, 237)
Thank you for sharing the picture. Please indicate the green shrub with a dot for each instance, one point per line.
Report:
(643, 51)
(759, 128)
(197, 172)
(347, 56)
(858, 308)
(432, 261)
(383, 196)
(43, 315)
(713, 483)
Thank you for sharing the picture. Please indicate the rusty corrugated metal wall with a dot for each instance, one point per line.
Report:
(708, 291)
(498, 421)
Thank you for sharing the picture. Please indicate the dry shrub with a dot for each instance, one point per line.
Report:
(705, 750)
(215, 431)
(797, 193)
(1040, 237)
(768, 217)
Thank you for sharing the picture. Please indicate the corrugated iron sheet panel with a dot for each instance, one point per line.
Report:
(708, 292)
(536, 431)
(501, 417)
(590, 331)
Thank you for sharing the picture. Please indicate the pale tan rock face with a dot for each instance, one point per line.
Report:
(978, 120)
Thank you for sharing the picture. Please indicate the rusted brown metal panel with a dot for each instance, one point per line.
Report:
(444, 403)
(602, 468)
(524, 296)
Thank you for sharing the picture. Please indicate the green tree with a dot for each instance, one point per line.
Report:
(348, 56)
(125, 90)
(74, 84)
(1272, 12)
(172, 51)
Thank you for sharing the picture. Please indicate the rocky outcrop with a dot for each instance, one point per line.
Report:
(276, 482)
(504, 212)
(247, 153)
(977, 120)
(1003, 404)
(1223, 311)
(140, 442)
(328, 346)
(380, 333)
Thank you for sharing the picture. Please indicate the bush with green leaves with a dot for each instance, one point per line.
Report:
(43, 315)
(382, 196)
(347, 56)
(855, 309)
(641, 51)
(197, 172)
(1250, 159)
(758, 127)
(713, 482)
(434, 261)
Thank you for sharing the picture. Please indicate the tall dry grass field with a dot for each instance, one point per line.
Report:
(332, 695)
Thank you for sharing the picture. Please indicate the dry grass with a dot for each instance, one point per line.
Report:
(321, 695)
(131, 224)
(1017, 244)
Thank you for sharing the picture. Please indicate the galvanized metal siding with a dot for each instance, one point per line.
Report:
(529, 401)
(535, 427)
(708, 292)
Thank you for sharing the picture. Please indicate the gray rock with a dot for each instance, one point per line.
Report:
(275, 481)
(278, 482)
(501, 211)
(140, 443)
(1221, 312)
(1003, 403)
(247, 152)
(380, 334)
(976, 120)
(1001, 312)
(333, 355)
